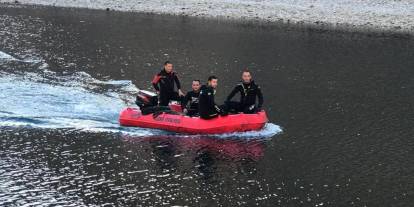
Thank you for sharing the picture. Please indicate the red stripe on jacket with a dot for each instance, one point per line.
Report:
(156, 79)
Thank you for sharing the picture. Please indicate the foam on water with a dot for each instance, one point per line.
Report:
(77, 101)
(5, 56)
(30, 103)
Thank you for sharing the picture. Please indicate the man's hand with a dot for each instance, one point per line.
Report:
(158, 92)
(180, 92)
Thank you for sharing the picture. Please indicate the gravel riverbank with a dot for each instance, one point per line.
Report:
(379, 15)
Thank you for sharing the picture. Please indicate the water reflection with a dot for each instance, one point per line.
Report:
(204, 152)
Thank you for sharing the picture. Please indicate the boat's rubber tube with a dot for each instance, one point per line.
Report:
(194, 125)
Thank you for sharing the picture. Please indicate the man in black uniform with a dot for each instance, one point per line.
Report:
(190, 102)
(248, 91)
(206, 105)
(163, 83)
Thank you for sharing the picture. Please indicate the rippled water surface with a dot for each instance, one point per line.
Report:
(340, 107)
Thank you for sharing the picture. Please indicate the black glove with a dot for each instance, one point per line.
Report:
(252, 107)
(221, 111)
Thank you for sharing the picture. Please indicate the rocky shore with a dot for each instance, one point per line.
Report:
(379, 15)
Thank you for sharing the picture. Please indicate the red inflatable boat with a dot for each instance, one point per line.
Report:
(194, 125)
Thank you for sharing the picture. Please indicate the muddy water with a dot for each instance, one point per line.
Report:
(340, 107)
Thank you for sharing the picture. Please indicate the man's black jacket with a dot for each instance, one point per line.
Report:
(206, 106)
(164, 82)
(248, 93)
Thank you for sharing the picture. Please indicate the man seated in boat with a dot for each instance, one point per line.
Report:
(164, 83)
(190, 101)
(248, 91)
(206, 106)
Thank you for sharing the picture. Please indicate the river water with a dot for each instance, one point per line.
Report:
(340, 106)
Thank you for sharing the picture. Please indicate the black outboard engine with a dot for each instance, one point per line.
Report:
(146, 99)
(148, 104)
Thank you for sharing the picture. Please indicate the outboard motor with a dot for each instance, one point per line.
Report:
(146, 99)
(148, 103)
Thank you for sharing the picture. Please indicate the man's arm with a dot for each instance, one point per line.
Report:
(155, 81)
(232, 94)
(260, 96)
(185, 100)
(177, 82)
(210, 97)
(213, 103)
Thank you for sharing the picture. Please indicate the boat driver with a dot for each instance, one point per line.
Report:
(164, 83)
